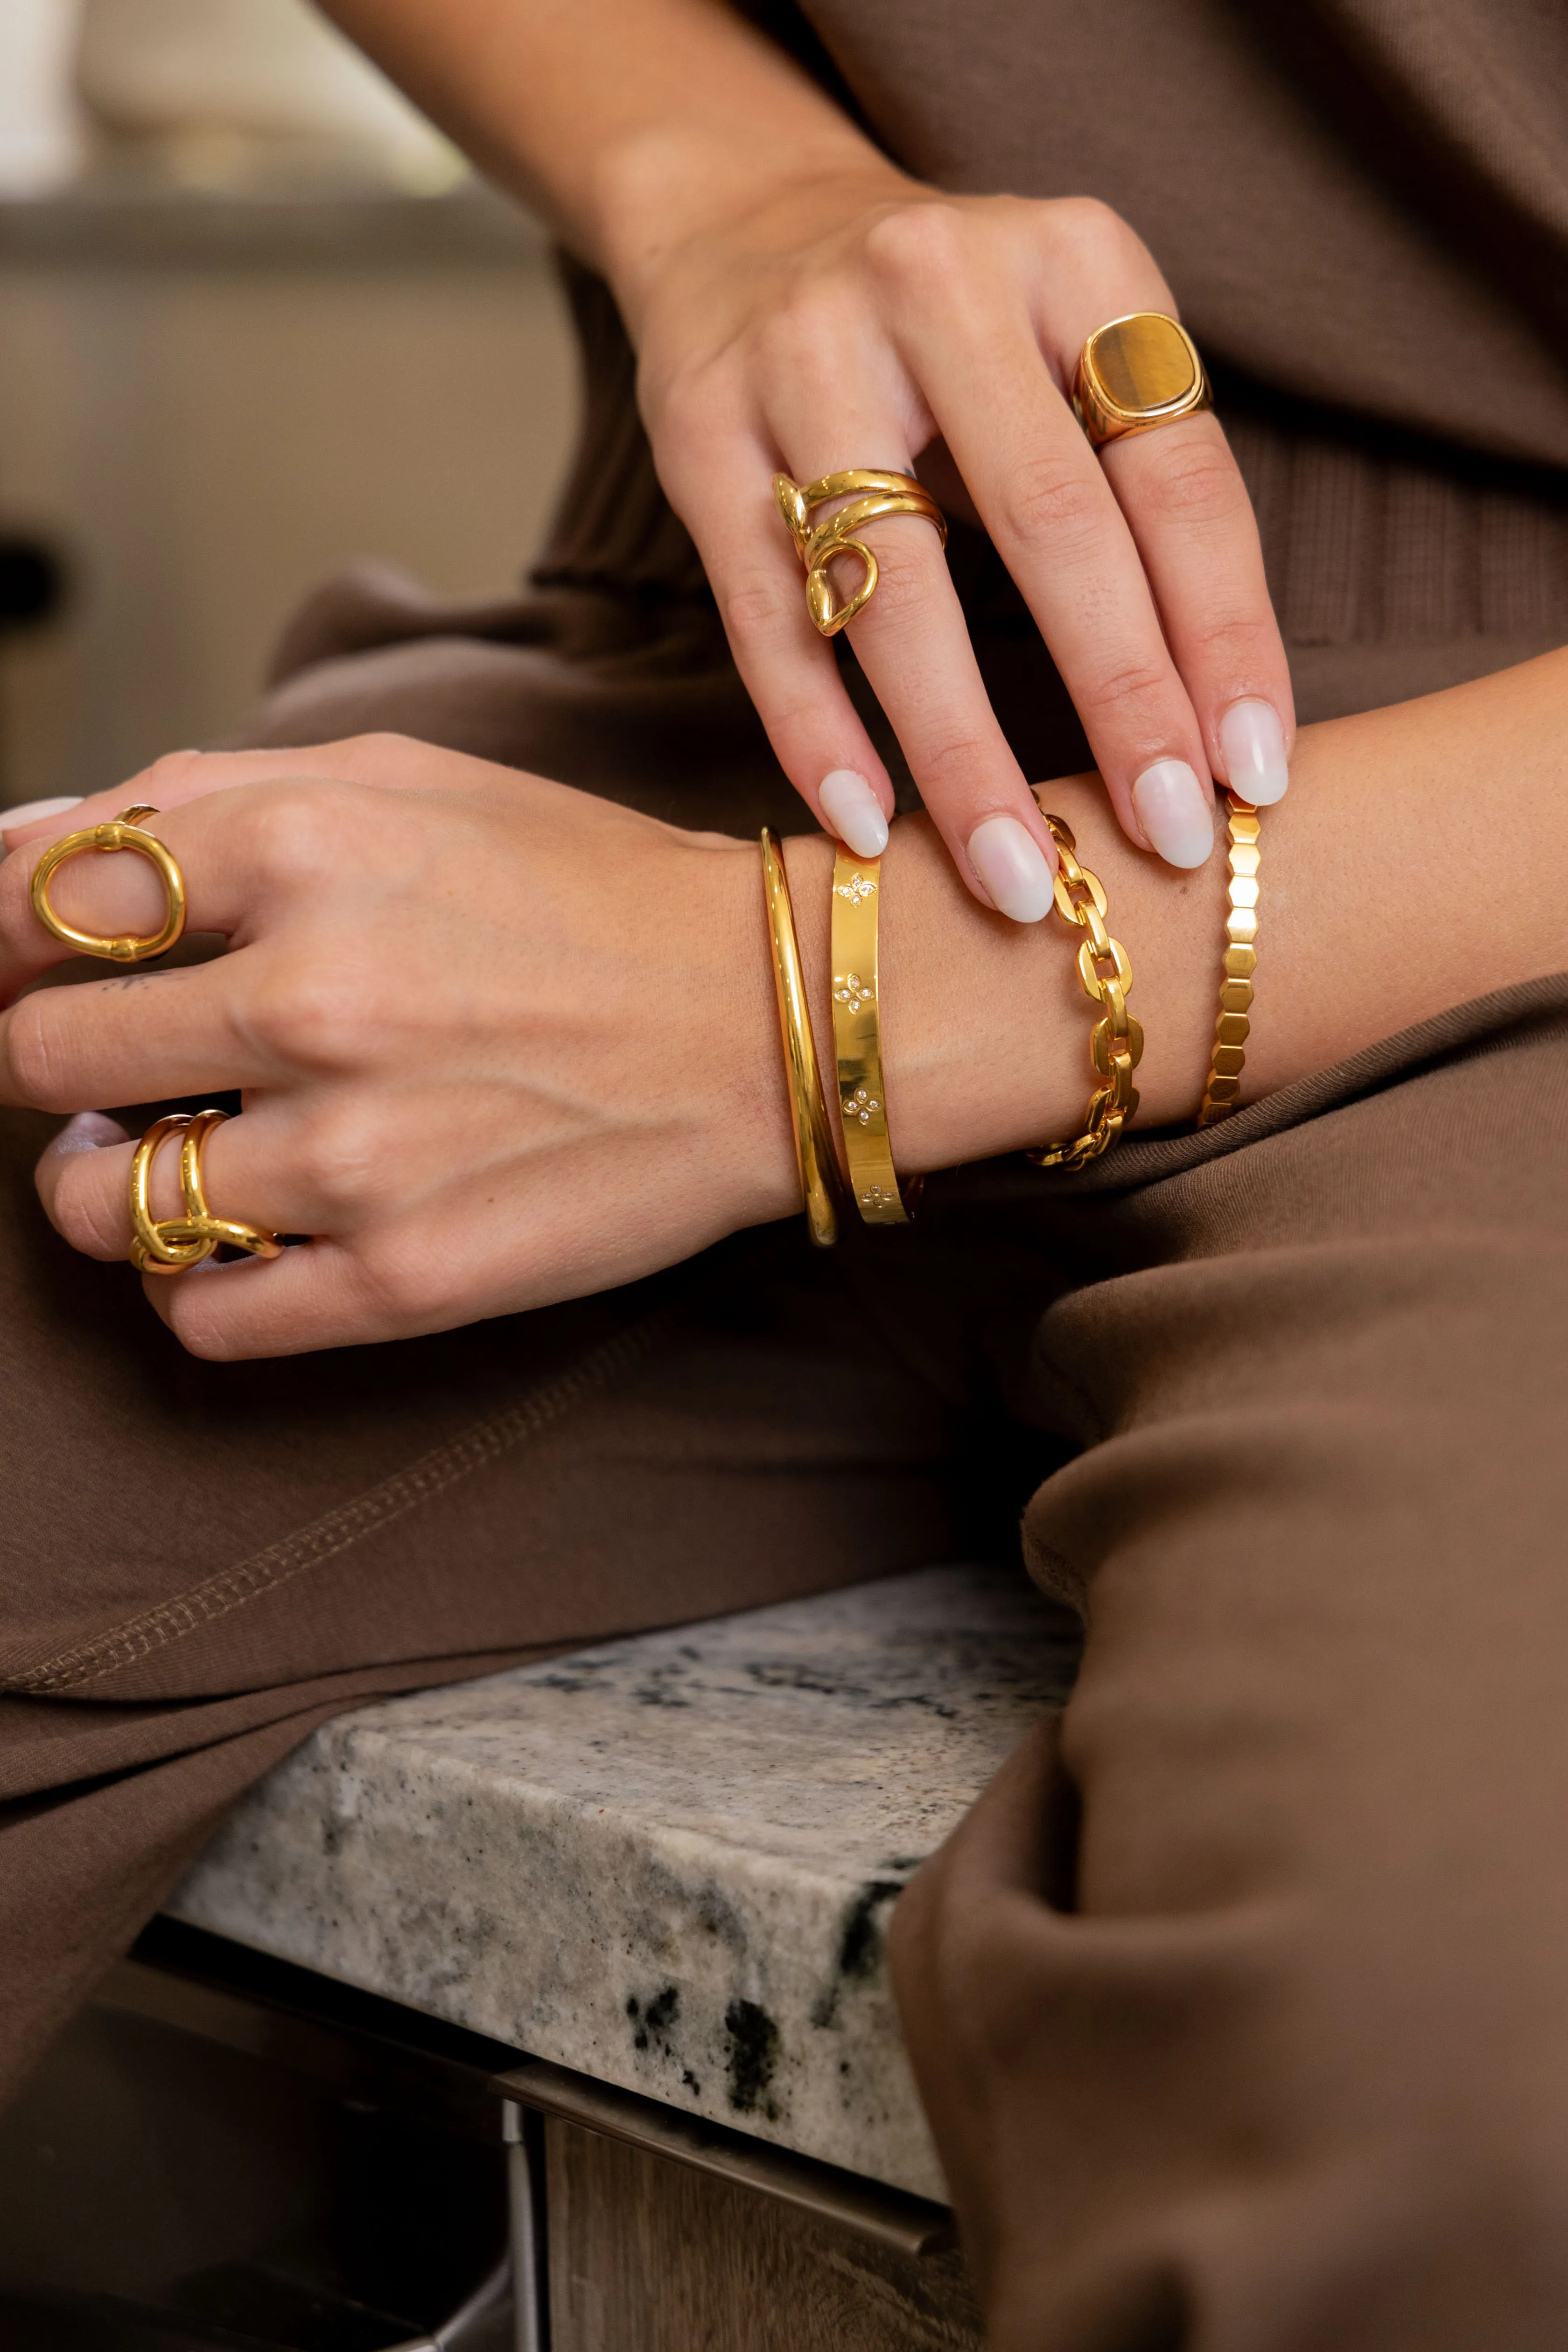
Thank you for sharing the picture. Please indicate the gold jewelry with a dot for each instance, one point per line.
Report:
(1135, 374)
(1116, 1045)
(124, 832)
(813, 1138)
(857, 1042)
(1222, 1095)
(172, 1246)
(871, 495)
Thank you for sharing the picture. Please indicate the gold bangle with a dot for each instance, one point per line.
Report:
(857, 1044)
(1116, 1045)
(1222, 1095)
(813, 1138)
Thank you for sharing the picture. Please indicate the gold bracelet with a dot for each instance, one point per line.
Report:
(1222, 1095)
(1116, 1045)
(858, 1042)
(813, 1138)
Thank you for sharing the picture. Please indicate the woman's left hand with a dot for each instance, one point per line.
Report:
(500, 1042)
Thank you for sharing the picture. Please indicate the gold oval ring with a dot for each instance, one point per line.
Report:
(871, 494)
(124, 832)
(174, 1244)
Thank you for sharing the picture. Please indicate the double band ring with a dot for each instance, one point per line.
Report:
(123, 832)
(871, 495)
(1135, 375)
(172, 1245)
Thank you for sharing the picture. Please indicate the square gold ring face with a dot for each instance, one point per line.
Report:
(1138, 373)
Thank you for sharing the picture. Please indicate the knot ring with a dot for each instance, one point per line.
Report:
(123, 832)
(172, 1245)
(871, 494)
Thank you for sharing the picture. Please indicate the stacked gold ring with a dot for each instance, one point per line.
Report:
(871, 495)
(123, 832)
(174, 1244)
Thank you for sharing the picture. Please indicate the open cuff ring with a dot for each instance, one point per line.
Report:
(1137, 373)
(871, 495)
(174, 1244)
(124, 832)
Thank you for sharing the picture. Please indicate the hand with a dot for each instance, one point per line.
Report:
(860, 319)
(500, 1042)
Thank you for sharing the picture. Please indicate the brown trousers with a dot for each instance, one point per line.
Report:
(1240, 2001)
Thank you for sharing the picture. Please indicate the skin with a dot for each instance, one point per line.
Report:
(799, 303)
(502, 1044)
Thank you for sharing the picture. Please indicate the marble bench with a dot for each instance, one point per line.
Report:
(654, 1875)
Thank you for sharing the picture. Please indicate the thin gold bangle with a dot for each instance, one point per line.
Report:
(1222, 1095)
(858, 1045)
(808, 1108)
(1116, 1043)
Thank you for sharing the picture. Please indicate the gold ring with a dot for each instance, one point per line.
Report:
(871, 495)
(124, 832)
(175, 1243)
(1135, 375)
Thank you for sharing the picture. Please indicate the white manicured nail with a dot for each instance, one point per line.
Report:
(854, 812)
(1253, 743)
(1176, 812)
(29, 812)
(1012, 865)
(90, 1130)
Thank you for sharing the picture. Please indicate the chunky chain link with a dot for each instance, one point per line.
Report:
(1116, 1045)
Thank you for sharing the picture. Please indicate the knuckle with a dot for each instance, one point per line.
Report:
(91, 1219)
(1096, 234)
(341, 1155)
(916, 243)
(294, 834)
(907, 572)
(955, 765)
(1123, 687)
(404, 1287)
(34, 1060)
(314, 1015)
(755, 610)
(1050, 496)
(1195, 484)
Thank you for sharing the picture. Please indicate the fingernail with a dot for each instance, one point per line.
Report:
(1253, 743)
(1176, 812)
(29, 812)
(854, 812)
(1012, 865)
(90, 1130)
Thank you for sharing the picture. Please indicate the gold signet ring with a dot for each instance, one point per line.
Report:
(870, 493)
(1137, 373)
(172, 1245)
(124, 832)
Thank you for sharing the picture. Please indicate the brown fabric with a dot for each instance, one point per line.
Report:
(1237, 2007)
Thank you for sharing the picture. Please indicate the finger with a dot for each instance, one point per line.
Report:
(913, 644)
(153, 1037)
(1051, 512)
(253, 1172)
(789, 671)
(1193, 526)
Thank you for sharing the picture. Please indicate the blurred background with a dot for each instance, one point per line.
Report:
(257, 319)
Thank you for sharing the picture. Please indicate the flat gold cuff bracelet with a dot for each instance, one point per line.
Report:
(1116, 1043)
(172, 1245)
(1136, 374)
(808, 1108)
(1222, 1095)
(871, 495)
(857, 1044)
(123, 832)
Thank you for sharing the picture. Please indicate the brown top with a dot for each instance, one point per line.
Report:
(1362, 208)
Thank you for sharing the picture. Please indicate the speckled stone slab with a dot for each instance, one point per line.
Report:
(666, 1861)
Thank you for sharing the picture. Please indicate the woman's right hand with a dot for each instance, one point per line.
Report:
(863, 319)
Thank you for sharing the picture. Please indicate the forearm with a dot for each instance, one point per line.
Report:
(1421, 858)
(627, 123)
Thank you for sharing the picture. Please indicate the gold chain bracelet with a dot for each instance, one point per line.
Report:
(1222, 1095)
(1116, 1045)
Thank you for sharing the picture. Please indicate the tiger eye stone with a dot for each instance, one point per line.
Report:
(1143, 363)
